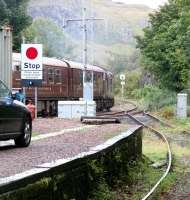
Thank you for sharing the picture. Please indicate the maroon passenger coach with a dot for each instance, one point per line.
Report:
(63, 80)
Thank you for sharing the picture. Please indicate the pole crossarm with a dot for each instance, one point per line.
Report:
(66, 22)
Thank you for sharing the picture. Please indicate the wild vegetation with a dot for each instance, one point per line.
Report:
(165, 45)
(48, 33)
(164, 50)
(14, 14)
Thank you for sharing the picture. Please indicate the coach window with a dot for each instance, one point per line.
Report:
(57, 76)
(104, 76)
(99, 81)
(108, 83)
(81, 77)
(111, 85)
(88, 77)
(95, 79)
(50, 75)
(44, 76)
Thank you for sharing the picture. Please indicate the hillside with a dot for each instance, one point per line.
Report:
(114, 34)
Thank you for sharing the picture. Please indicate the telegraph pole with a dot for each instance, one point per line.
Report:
(84, 39)
(87, 85)
(84, 53)
(24, 89)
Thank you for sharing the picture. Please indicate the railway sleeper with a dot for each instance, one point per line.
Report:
(99, 120)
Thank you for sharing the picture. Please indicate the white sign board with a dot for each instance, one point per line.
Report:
(31, 61)
(122, 82)
(122, 77)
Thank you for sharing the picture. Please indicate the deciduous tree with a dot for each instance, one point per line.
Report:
(54, 40)
(165, 45)
(14, 13)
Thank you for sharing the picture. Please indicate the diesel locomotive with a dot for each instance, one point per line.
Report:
(63, 80)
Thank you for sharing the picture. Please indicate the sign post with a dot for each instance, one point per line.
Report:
(122, 78)
(24, 89)
(31, 67)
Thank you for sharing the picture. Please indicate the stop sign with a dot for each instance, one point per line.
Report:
(31, 62)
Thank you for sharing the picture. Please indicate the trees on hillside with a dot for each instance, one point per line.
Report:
(122, 62)
(14, 13)
(165, 46)
(54, 40)
(4, 13)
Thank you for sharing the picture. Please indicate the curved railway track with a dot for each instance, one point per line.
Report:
(141, 118)
(169, 154)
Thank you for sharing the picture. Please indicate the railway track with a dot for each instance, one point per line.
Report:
(161, 136)
(141, 118)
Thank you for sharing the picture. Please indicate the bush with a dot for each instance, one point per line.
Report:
(153, 98)
(132, 82)
(167, 112)
(132, 79)
(188, 111)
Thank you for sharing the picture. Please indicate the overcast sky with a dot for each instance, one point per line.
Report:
(150, 3)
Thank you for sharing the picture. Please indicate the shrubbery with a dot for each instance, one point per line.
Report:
(149, 96)
(152, 97)
(132, 79)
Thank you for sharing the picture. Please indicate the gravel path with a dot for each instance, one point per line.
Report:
(16, 160)
(49, 125)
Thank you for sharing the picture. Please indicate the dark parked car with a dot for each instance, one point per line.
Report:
(15, 119)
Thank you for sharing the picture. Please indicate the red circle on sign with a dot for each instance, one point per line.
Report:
(31, 53)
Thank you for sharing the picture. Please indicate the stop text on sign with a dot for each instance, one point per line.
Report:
(31, 62)
(31, 66)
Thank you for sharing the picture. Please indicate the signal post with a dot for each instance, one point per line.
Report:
(122, 78)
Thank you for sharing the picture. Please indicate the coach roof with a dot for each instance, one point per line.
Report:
(45, 60)
(77, 65)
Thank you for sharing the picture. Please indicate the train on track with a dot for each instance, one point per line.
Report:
(63, 80)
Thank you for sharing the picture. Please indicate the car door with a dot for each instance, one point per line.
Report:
(1, 122)
(10, 114)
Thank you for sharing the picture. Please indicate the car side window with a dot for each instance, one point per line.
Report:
(4, 91)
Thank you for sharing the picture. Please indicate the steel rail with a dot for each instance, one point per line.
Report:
(161, 135)
(119, 113)
(159, 120)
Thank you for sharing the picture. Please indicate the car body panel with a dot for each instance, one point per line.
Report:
(12, 115)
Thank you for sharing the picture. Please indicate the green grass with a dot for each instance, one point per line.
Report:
(179, 145)
(181, 123)
(155, 150)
